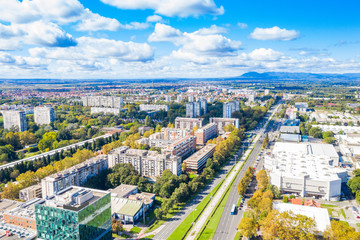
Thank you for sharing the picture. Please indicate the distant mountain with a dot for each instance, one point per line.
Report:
(301, 76)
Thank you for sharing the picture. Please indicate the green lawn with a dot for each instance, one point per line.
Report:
(237, 236)
(185, 225)
(135, 230)
(358, 225)
(212, 224)
(148, 237)
(327, 205)
(214, 219)
(343, 213)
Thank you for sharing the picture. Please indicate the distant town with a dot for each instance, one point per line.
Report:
(215, 160)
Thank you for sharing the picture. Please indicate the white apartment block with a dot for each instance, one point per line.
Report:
(183, 147)
(76, 175)
(15, 120)
(222, 122)
(196, 109)
(104, 110)
(147, 163)
(102, 101)
(44, 115)
(179, 98)
(188, 123)
(153, 107)
(190, 99)
(230, 107)
(197, 161)
(174, 133)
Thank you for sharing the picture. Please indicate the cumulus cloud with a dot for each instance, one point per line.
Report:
(95, 48)
(265, 54)
(39, 32)
(242, 25)
(154, 18)
(181, 8)
(274, 33)
(205, 41)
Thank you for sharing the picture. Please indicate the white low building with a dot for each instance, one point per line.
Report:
(320, 215)
(302, 171)
(306, 148)
(306, 175)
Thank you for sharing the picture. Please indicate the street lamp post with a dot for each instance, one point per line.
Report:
(194, 216)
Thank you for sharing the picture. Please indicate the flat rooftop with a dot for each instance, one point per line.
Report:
(320, 215)
(294, 164)
(318, 149)
(74, 198)
(123, 190)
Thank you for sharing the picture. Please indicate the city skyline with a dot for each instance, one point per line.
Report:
(157, 39)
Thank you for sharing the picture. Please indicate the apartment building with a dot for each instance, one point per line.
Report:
(205, 133)
(183, 147)
(104, 110)
(102, 101)
(174, 133)
(188, 123)
(147, 163)
(196, 109)
(44, 115)
(222, 122)
(197, 161)
(230, 107)
(30, 192)
(14, 120)
(153, 107)
(74, 176)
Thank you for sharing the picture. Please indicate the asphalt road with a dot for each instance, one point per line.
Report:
(227, 227)
(170, 225)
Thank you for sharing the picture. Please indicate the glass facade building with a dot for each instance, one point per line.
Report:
(89, 221)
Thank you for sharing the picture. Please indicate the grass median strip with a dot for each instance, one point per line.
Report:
(209, 228)
(184, 227)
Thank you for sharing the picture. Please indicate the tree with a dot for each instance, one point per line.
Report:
(339, 230)
(116, 226)
(266, 141)
(287, 225)
(262, 179)
(229, 128)
(148, 121)
(247, 227)
(13, 140)
(285, 199)
(316, 132)
(27, 138)
(47, 141)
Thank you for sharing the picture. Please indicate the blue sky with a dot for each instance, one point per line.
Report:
(176, 38)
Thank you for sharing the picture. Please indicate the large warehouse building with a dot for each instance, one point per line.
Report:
(306, 169)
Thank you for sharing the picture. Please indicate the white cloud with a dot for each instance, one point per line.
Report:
(95, 22)
(242, 25)
(181, 8)
(165, 33)
(94, 48)
(205, 41)
(274, 33)
(212, 30)
(154, 18)
(47, 34)
(39, 32)
(263, 54)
